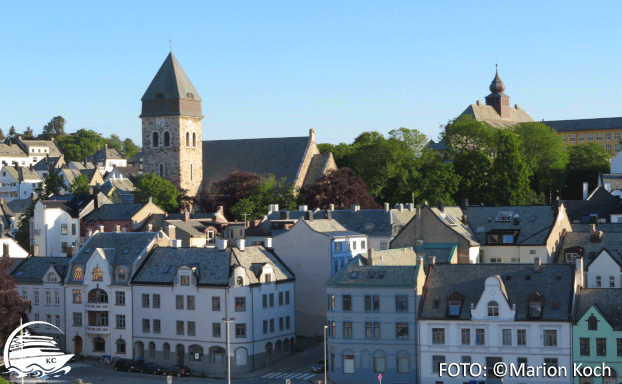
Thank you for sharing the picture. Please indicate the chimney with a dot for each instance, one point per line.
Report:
(186, 216)
(101, 228)
(441, 206)
(312, 134)
(106, 145)
(5, 250)
(399, 207)
(241, 244)
(84, 162)
(331, 207)
(329, 215)
(150, 200)
(267, 242)
(585, 189)
(284, 215)
(516, 219)
(579, 271)
(89, 232)
(150, 228)
(303, 208)
(170, 229)
(354, 207)
(386, 207)
(221, 209)
(464, 219)
(117, 228)
(432, 260)
(465, 204)
(419, 243)
(592, 227)
(479, 102)
(31, 169)
(411, 207)
(607, 185)
(516, 106)
(310, 215)
(222, 245)
(97, 147)
(33, 196)
(176, 243)
(370, 256)
(536, 264)
(419, 261)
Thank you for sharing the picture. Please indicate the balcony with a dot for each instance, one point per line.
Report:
(97, 329)
(97, 306)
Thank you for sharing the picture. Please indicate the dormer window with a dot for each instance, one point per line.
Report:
(185, 280)
(78, 273)
(121, 275)
(239, 281)
(535, 309)
(454, 308)
(51, 278)
(268, 277)
(504, 216)
(98, 274)
(493, 309)
(592, 323)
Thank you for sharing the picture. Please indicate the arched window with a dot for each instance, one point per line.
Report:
(403, 362)
(121, 273)
(167, 351)
(187, 139)
(194, 139)
(120, 346)
(268, 349)
(161, 170)
(493, 309)
(592, 323)
(191, 172)
(78, 273)
(99, 345)
(160, 95)
(189, 96)
(217, 355)
(98, 274)
(167, 139)
(155, 140)
(239, 281)
(193, 350)
(277, 347)
(51, 277)
(98, 296)
(151, 349)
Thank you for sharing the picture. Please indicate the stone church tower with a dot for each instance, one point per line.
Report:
(171, 118)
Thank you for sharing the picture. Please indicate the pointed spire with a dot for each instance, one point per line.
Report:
(497, 85)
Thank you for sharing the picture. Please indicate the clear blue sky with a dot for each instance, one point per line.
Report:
(277, 69)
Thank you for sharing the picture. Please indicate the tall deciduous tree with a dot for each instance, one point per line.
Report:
(584, 163)
(473, 168)
(510, 173)
(51, 185)
(269, 191)
(79, 185)
(339, 187)
(438, 180)
(55, 128)
(229, 191)
(163, 193)
(12, 306)
(465, 133)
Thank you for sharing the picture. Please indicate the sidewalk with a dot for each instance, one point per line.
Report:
(278, 364)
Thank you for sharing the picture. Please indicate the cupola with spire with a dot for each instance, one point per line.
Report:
(497, 99)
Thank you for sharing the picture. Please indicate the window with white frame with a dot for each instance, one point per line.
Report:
(493, 309)
(550, 338)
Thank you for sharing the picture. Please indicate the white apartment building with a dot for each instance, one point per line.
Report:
(54, 227)
(18, 182)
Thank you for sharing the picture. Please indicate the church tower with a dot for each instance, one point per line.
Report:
(497, 99)
(171, 121)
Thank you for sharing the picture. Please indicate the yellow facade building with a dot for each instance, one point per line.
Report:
(604, 131)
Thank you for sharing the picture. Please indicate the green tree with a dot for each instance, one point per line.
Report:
(28, 134)
(465, 133)
(79, 185)
(12, 135)
(2, 137)
(80, 144)
(416, 140)
(585, 162)
(51, 185)
(55, 128)
(164, 194)
(510, 173)
(438, 180)
(342, 153)
(129, 149)
(269, 191)
(473, 168)
(22, 236)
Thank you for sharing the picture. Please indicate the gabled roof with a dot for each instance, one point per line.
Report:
(555, 282)
(358, 274)
(607, 301)
(11, 150)
(171, 81)
(487, 114)
(320, 163)
(614, 180)
(137, 158)
(20, 205)
(104, 154)
(609, 241)
(113, 212)
(599, 202)
(21, 174)
(440, 146)
(328, 227)
(80, 165)
(397, 256)
(281, 157)
(32, 269)
(50, 144)
(585, 124)
(49, 163)
(454, 215)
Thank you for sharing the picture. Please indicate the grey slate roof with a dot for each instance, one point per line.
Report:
(397, 256)
(328, 227)
(611, 241)
(599, 202)
(535, 222)
(614, 180)
(440, 146)
(585, 124)
(11, 150)
(49, 163)
(32, 269)
(22, 173)
(104, 154)
(358, 274)
(195, 228)
(171, 81)
(488, 114)
(466, 231)
(113, 212)
(279, 156)
(20, 205)
(80, 165)
(213, 267)
(608, 301)
(555, 282)
(53, 150)
(137, 158)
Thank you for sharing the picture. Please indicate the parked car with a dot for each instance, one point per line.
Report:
(176, 370)
(124, 365)
(319, 366)
(151, 368)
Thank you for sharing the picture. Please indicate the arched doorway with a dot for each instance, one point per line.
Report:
(77, 345)
(139, 350)
(612, 378)
(180, 354)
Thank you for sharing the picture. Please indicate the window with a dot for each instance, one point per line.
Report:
(190, 302)
(466, 336)
(271, 296)
(608, 136)
(507, 337)
(592, 323)
(98, 274)
(552, 362)
(436, 363)
(194, 139)
(167, 139)
(63, 247)
(521, 337)
(145, 300)
(454, 308)
(367, 303)
(99, 345)
(287, 322)
(608, 147)
(146, 327)
(161, 170)
(121, 274)
(151, 349)
(78, 273)
(376, 303)
(77, 319)
(383, 245)
(401, 330)
(63, 229)
(240, 331)
(56, 298)
(347, 302)
(215, 329)
(192, 328)
(217, 355)
(617, 147)
(187, 139)
(48, 298)
(333, 330)
(348, 364)
(438, 335)
(612, 281)
(619, 346)
(403, 363)
(156, 301)
(280, 299)
(156, 326)
(120, 320)
(347, 329)
(564, 138)
(617, 136)
(240, 304)
(535, 309)
(286, 297)
(179, 301)
(550, 338)
(466, 359)
(76, 295)
(601, 347)
(57, 320)
(584, 346)
(155, 140)
(401, 303)
(185, 280)
(590, 137)
(580, 137)
(120, 346)
(192, 178)
(572, 138)
(480, 336)
(380, 364)
(215, 303)
(338, 246)
(36, 300)
(493, 309)
(281, 323)
(599, 136)
(180, 327)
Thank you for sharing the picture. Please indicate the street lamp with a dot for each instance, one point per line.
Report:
(325, 360)
(231, 319)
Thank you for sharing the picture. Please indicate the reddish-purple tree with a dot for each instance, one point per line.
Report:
(229, 191)
(340, 187)
(12, 306)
